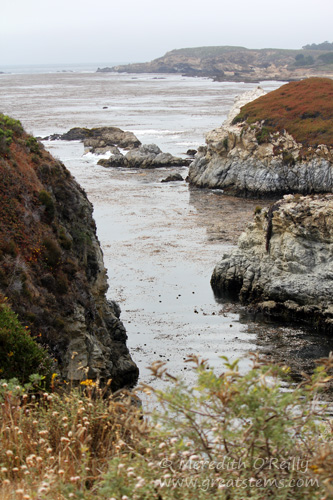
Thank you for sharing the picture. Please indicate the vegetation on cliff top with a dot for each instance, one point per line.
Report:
(232, 63)
(304, 109)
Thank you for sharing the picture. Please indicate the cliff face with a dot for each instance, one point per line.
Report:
(260, 154)
(51, 263)
(228, 63)
(283, 265)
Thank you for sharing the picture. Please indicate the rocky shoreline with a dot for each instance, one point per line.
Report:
(109, 140)
(248, 160)
(235, 64)
(283, 264)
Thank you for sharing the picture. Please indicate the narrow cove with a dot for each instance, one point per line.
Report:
(161, 242)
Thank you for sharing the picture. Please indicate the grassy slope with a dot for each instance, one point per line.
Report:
(304, 109)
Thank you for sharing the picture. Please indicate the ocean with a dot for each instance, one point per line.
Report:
(160, 241)
(171, 110)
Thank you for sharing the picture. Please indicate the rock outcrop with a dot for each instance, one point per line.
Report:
(51, 264)
(146, 156)
(99, 140)
(283, 265)
(228, 63)
(261, 158)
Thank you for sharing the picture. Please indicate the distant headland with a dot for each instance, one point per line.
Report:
(229, 63)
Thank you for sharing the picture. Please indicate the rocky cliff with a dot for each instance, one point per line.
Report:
(283, 265)
(51, 263)
(279, 143)
(228, 63)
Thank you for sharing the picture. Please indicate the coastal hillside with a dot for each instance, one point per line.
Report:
(51, 265)
(278, 143)
(230, 63)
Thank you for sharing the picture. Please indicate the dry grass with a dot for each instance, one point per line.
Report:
(53, 444)
(215, 440)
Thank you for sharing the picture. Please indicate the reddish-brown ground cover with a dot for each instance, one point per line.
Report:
(303, 108)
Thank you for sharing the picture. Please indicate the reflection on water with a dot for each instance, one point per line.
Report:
(224, 217)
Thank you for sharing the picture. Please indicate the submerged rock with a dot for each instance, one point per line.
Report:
(173, 178)
(283, 265)
(191, 152)
(51, 265)
(270, 156)
(146, 156)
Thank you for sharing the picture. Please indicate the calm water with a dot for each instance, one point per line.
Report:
(160, 241)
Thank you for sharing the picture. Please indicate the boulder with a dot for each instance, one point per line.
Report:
(146, 156)
(97, 138)
(191, 152)
(103, 150)
(115, 161)
(173, 178)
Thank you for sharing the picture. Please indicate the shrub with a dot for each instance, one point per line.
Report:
(51, 252)
(64, 240)
(262, 135)
(46, 199)
(8, 128)
(229, 436)
(9, 247)
(33, 145)
(288, 158)
(301, 60)
(238, 119)
(11, 124)
(327, 58)
(20, 355)
(62, 283)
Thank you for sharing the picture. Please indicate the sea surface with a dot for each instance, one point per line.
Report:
(160, 240)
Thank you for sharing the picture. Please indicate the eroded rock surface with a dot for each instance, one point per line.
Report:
(283, 265)
(246, 160)
(101, 139)
(146, 156)
(51, 265)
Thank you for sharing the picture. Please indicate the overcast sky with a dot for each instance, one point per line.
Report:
(78, 31)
